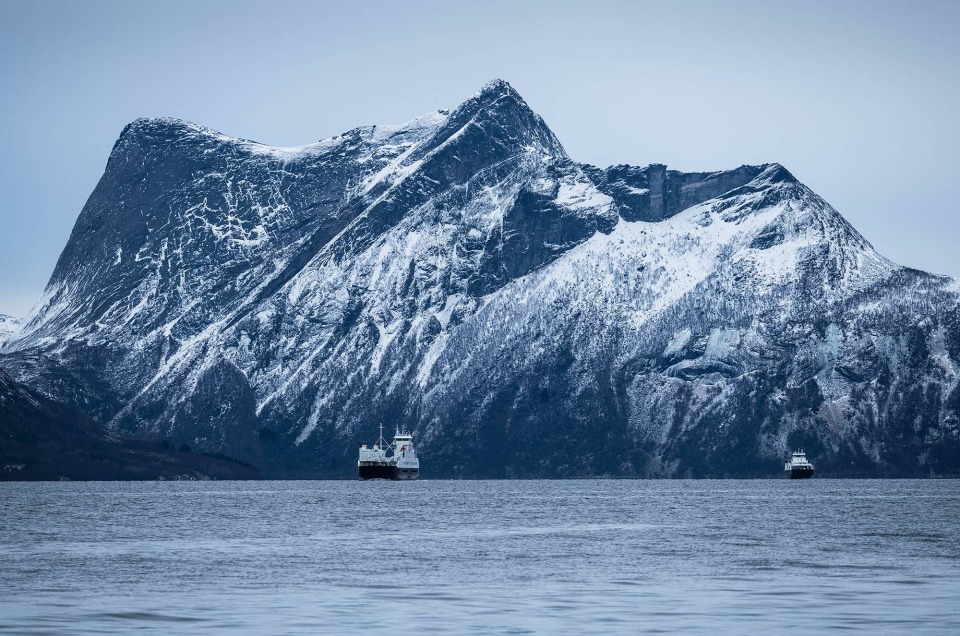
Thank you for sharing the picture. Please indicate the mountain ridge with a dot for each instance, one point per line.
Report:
(459, 274)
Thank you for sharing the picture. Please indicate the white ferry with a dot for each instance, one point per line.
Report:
(389, 461)
(798, 467)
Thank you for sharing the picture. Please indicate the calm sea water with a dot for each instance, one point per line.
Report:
(508, 557)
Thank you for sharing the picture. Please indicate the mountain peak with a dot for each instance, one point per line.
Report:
(496, 87)
(775, 173)
(165, 126)
(148, 131)
(499, 114)
(496, 93)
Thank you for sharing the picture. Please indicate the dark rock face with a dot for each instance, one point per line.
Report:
(41, 439)
(223, 406)
(655, 193)
(525, 315)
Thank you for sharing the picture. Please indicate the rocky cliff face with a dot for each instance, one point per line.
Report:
(41, 439)
(523, 314)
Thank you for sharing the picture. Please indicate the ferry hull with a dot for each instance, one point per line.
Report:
(801, 473)
(386, 471)
(383, 471)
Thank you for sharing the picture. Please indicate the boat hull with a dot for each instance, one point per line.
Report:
(387, 471)
(801, 473)
(378, 471)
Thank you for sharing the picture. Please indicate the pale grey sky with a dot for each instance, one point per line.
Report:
(858, 99)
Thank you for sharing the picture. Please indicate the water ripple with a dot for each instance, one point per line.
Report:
(577, 557)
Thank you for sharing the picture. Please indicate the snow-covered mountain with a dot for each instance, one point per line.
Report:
(523, 314)
(8, 325)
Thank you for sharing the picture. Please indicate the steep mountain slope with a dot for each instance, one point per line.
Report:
(524, 314)
(43, 440)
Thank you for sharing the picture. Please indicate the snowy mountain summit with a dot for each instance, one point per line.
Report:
(521, 313)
